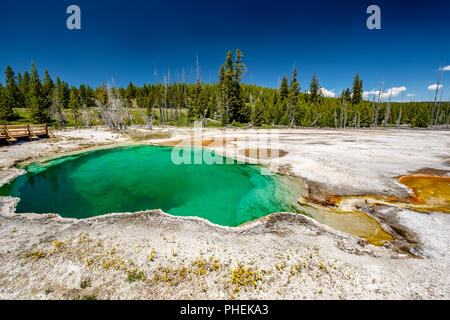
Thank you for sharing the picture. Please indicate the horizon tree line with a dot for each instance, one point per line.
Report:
(226, 102)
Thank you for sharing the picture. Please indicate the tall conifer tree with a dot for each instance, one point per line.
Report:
(3, 105)
(241, 112)
(24, 88)
(74, 105)
(48, 84)
(357, 90)
(282, 116)
(11, 93)
(39, 102)
(314, 89)
(294, 89)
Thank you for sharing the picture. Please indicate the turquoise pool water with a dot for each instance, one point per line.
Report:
(130, 179)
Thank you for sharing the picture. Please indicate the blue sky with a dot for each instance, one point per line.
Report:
(125, 40)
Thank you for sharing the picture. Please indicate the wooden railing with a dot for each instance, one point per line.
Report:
(10, 133)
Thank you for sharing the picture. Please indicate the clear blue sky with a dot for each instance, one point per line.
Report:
(125, 40)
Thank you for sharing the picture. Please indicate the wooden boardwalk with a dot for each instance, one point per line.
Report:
(10, 133)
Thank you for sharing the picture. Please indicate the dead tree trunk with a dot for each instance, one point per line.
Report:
(113, 114)
(372, 110)
(399, 118)
(380, 96)
(166, 99)
(436, 121)
(388, 110)
(432, 120)
(335, 118)
(56, 109)
(177, 103)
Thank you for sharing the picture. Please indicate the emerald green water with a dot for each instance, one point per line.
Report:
(130, 179)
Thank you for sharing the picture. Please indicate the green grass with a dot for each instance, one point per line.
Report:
(85, 283)
(214, 124)
(23, 116)
(48, 291)
(135, 276)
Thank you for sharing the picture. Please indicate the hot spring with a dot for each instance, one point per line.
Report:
(137, 178)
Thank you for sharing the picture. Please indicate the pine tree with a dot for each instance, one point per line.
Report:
(75, 105)
(11, 95)
(240, 69)
(20, 97)
(230, 77)
(24, 89)
(3, 105)
(269, 108)
(48, 84)
(294, 89)
(357, 90)
(365, 116)
(314, 89)
(63, 92)
(347, 95)
(225, 121)
(282, 109)
(237, 111)
(230, 99)
(257, 117)
(228, 89)
(90, 96)
(131, 91)
(82, 91)
(221, 97)
(56, 109)
(284, 88)
(102, 94)
(422, 116)
(39, 102)
(197, 110)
